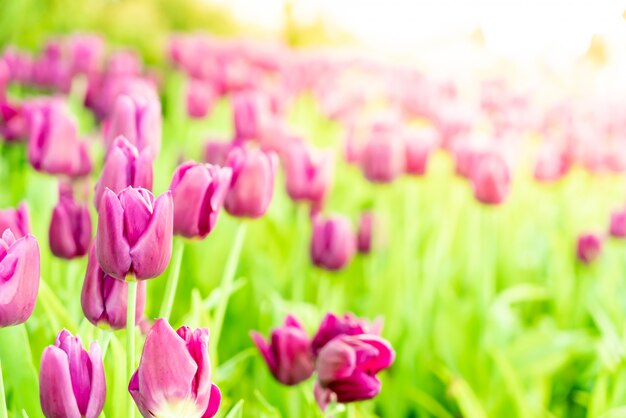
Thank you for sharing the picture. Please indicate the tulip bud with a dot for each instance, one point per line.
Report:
(16, 220)
(85, 53)
(308, 176)
(347, 367)
(491, 179)
(13, 125)
(198, 191)
(383, 157)
(252, 184)
(617, 228)
(53, 145)
(200, 98)
(19, 278)
(333, 326)
(134, 233)
(139, 121)
(251, 114)
(70, 226)
(418, 146)
(216, 152)
(124, 166)
(588, 248)
(174, 374)
(71, 380)
(333, 243)
(288, 353)
(364, 235)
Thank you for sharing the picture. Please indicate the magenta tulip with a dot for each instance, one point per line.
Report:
(333, 243)
(288, 352)
(491, 179)
(174, 374)
(308, 174)
(85, 53)
(70, 227)
(124, 166)
(333, 326)
(134, 233)
(419, 144)
(347, 367)
(216, 151)
(71, 380)
(13, 124)
(201, 96)
(364, 234)
(15, 219)
(383, 157)
(103, 298)
(252, 184)
(617, 226)
(588, 247)
(19, 278)
(251, 114)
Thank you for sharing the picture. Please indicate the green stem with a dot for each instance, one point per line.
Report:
(105, 339)
(130, 334)
(172, 280)
(298, 274)
(227, 279)
(3, 402)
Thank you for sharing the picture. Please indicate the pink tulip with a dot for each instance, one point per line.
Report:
(15, 219)
(85, 53)
(308, 174)
(588, 247)
(333, 326)
(251, 115)
(383, 157)
(201, 96)
(134, 233)
(617, 226)
(198, 191)
(216, 151)
(71, 380)
(419, 144)
(491, 179)
(347, 367)
(364, 234)
(333, 243)
(70, 227)
(174, 374)
(13, 124)
(551, 164)
(103, 298)
(288, 353)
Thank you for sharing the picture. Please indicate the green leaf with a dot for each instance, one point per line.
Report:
(236, 411)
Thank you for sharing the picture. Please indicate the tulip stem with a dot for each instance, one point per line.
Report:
(298, 274)
(105, 340)
(3, 402)
(172, 280)
(227, 279)
(130, 334)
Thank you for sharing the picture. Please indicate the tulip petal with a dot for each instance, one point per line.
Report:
(55, 385)
(111, 246)
(97, 395)
(214, 402)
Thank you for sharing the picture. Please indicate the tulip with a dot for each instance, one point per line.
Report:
(333, 243)
(251, 115)
(13, 126)
(383, 157)
(491, 179)
(364, 234)
(333, 326)
(85, 53)
(174, 374)
(19, 277)
(53, 145)
(288, 353)
(588, 248)
(200, 98)
(308, 176)
(252, 184)
(138, 120)
(617, 227)
(70, 226)
(418, 146)
(16, 220)
(198, 191)
(134, 233)
(124, 166)
(71, 380)
(103, 298)
(216, 151)
(347, 367)
(551, 164)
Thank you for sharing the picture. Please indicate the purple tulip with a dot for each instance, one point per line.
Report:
(174, 374)
(491, 179)
(251, 114)
(71, 380)
(201, 96)
(70, 227)
(588, 247)
(347, 367)
(134, 233)
(288, 353)
(139, 121)
(53, 145)
(216, 151)
(252, 184)
(308, 176)
(364, 234)
(383, 157)
(124, 166)
(333, 243)
(15, 219)
(333, 326)
(617, 227)
(19, 277)
(103, 298)
(198, 191)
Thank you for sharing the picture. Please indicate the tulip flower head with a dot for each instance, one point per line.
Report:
(70, 226)
(201, 96)
(418, 145)
(71, 380)
(333, 243)
(588, 247)
(134, 233)
(491, 179)
(174, 374)
(333, 326)
(383, 157)
(364, 234)
(198, 191)
(308, 174)
(15, 219)
(617, 226)
(19, 277)
(288, 352)
(251, 114)
(216, 151)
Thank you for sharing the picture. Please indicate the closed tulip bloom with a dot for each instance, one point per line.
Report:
(308, 174)
(347, 367)
(53, 145)
(85, 53)
(419, 144)
(125, 166)
(491, 179)
(13, 124)
(251, 114)
(333, 243)
(617, 227)
(216, 151)
(71, 380)
(333, 326)
(134, 233)
(288, 353)
(201, 97)
(589, 247)
(15, 219)
(551, 164)
(174, 374)
(198, 191)
(383, 157)
(252, 184)
(103, 298)
(70, 227)
(19, 277)
(364, 234)
(138, 120)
